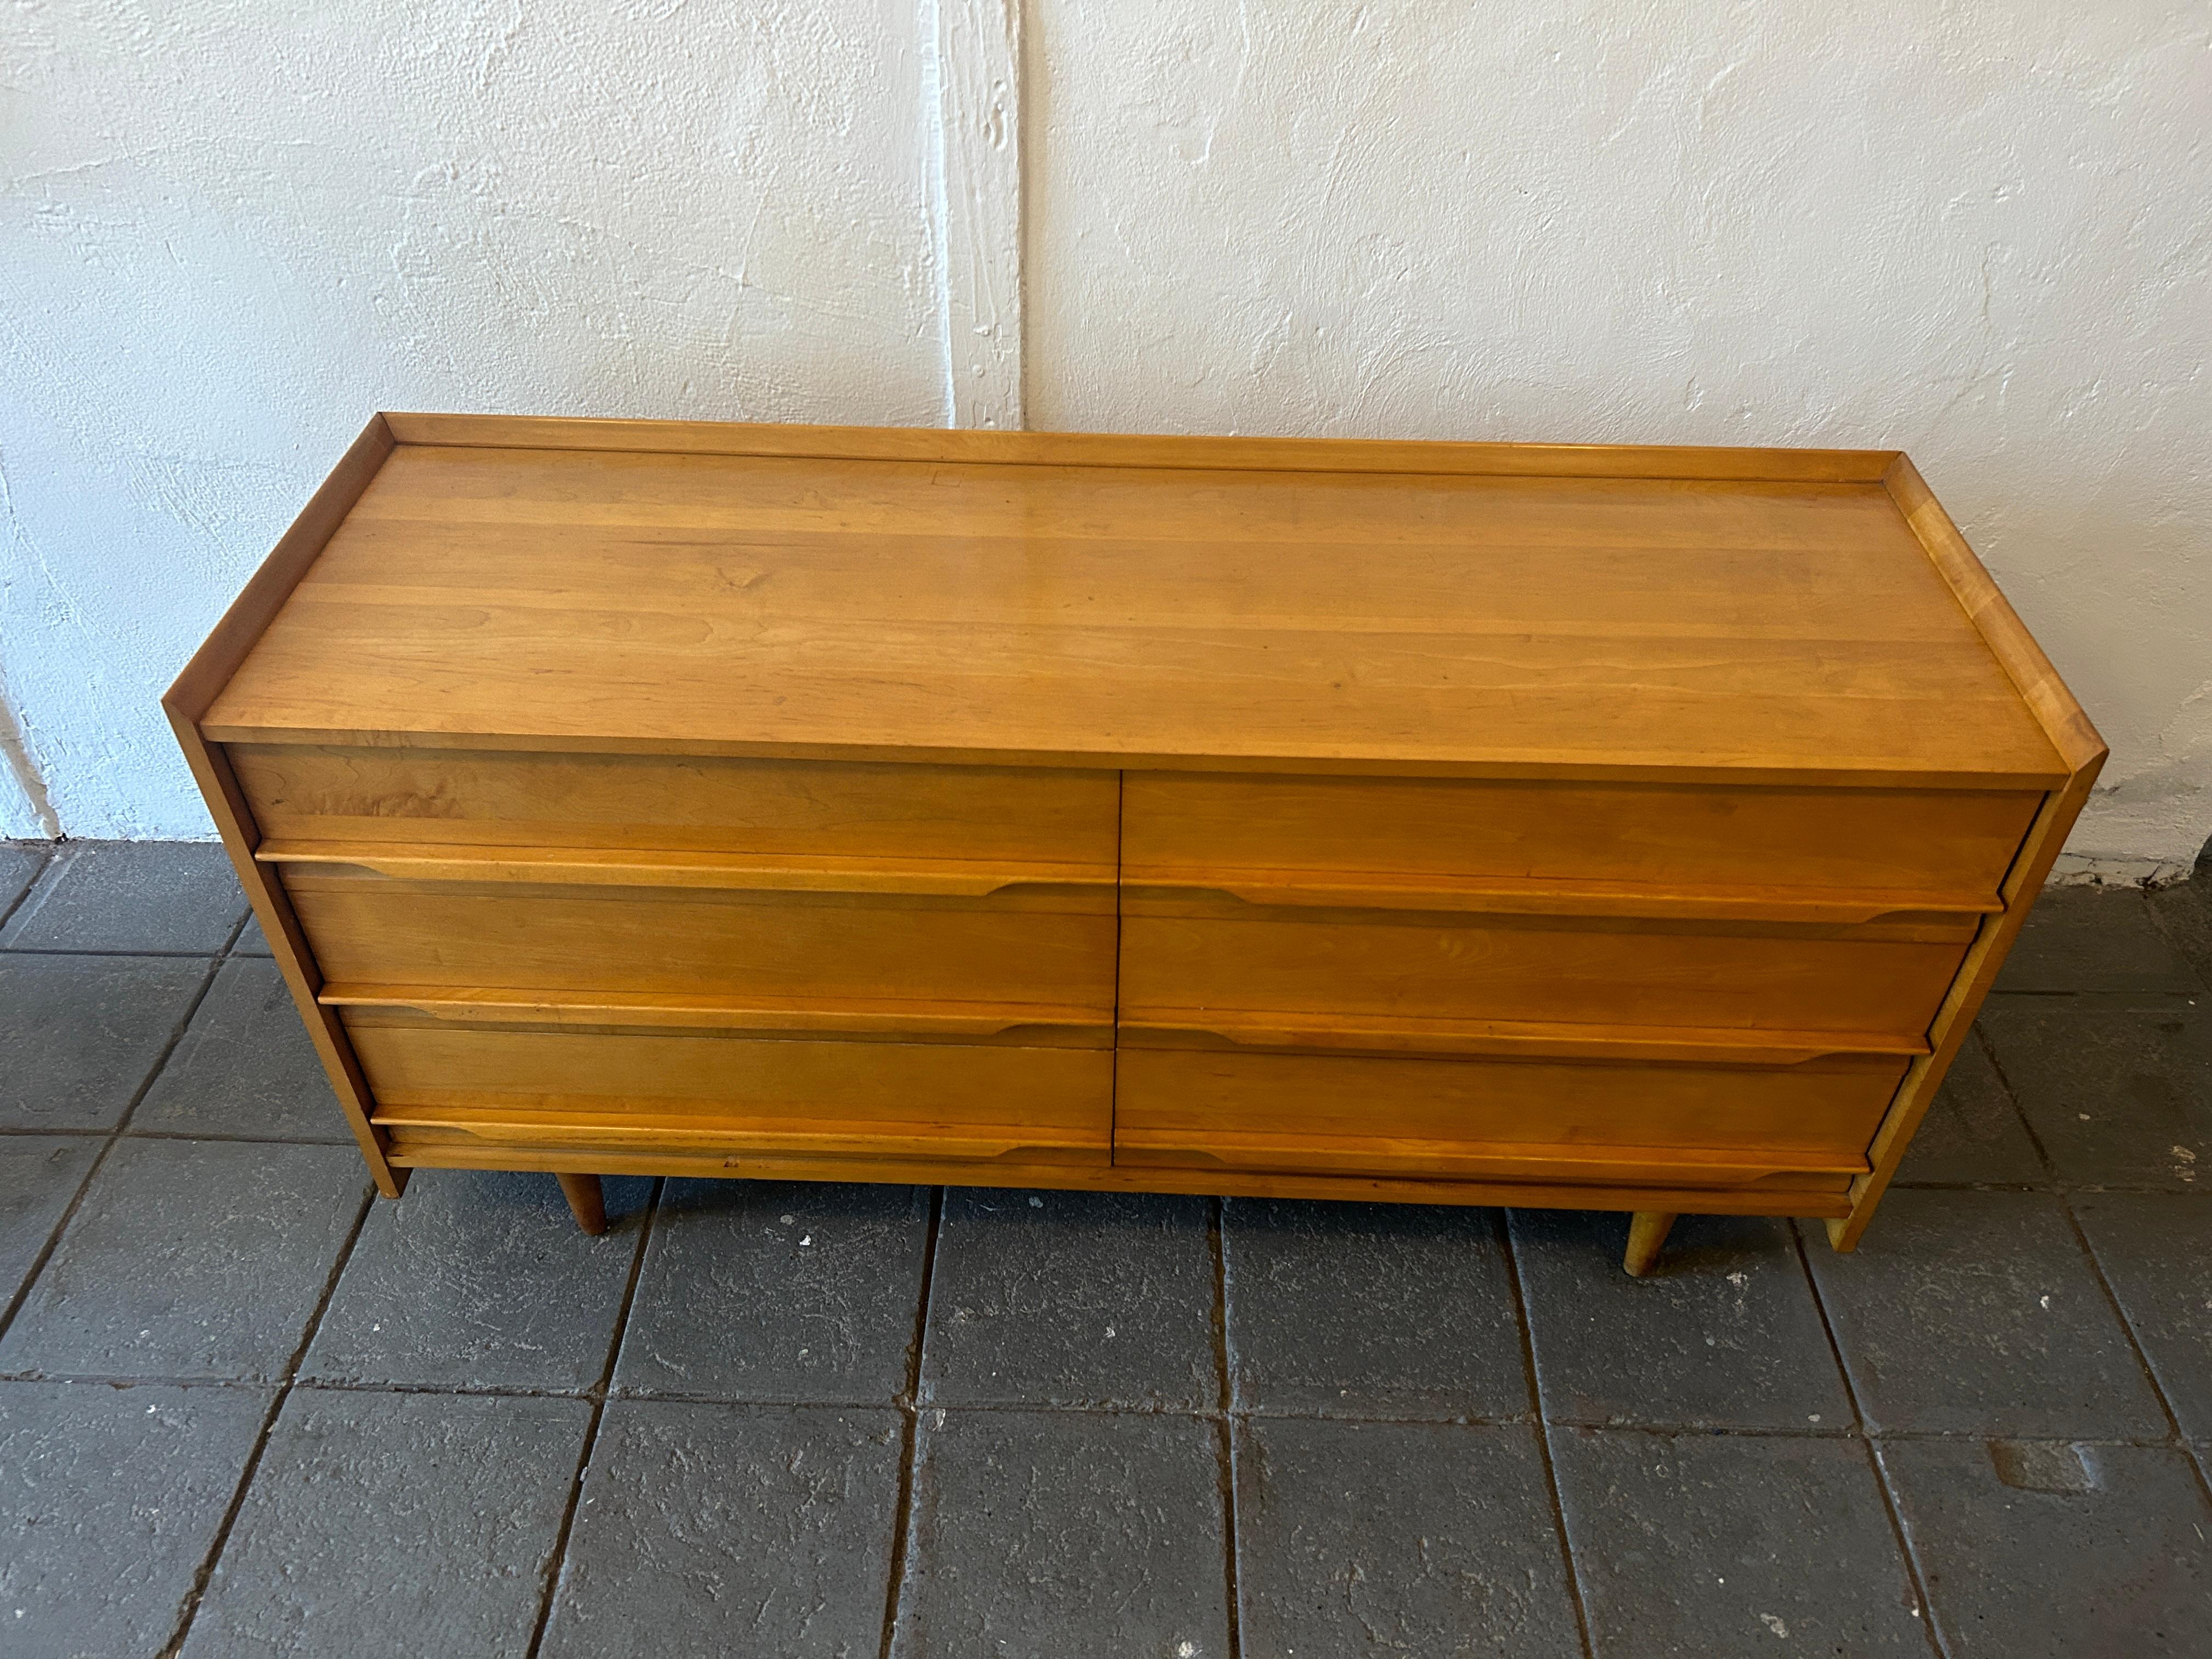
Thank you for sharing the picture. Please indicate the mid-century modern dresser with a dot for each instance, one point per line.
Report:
(1633, 829)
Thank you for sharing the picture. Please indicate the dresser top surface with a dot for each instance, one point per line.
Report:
(1099, 607)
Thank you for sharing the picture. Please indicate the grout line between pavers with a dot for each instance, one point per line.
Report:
(15, 1304)
(557, 1557)
(1226, 1436)
(909, 1409)
(1891, 1505)
(1502, 1231)
(189, 1609)
(2135, 1346)
(8, 909)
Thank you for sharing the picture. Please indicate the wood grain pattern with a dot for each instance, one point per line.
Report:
(1189, 962)
(1627, 847)
(1085, 614)
(1706, 1126)
(767, 809)
(641, 1090)
(1054, 946)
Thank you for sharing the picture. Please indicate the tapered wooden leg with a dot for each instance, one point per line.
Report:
(1647, 1231)
(589, 1204)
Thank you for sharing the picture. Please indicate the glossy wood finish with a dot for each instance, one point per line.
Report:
(1634, 829)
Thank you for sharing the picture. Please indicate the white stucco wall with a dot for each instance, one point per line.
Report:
(1976, 229)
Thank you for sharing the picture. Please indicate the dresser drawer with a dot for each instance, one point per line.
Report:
(636, 1091)
(1041, 947)
(1895, 849)
(818, 810)
(1804, 1127)
(1202, 961)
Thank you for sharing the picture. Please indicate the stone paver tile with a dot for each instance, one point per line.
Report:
(1723, 1333)
(1385, 1310)
(109, 1499)
(38, 1175)
(245, 1067)
(80, 1035)
(1407, 1538)
(2184, 914)
(20, 864)
(1706, 1545)
(252, 942)
(2093, 939)
(2051, 1551)
(2119, 1097)
(476, 1280)
(1972, 1134)
(1977, 1313)
(708, 1529)
(191, 1259)
(1064, 1533)
(177, 896)
(759, 1289)
(1072, 1299)
(2156, 1252)
(394, 1524)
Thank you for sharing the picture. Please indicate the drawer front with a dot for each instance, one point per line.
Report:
(1018, 946)
(979, 814)
(1951, 846)
(634, 1091)
(1804, 1127)
(1194, 964)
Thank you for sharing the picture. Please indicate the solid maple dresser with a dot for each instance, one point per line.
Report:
(1491, 823)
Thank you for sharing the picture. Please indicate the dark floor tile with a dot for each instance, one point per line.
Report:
(245, 1067)
(1977, 1313)
(1723, 1332)
(2184, 914)
(252, 942)
(79, 1034)
(394, 1524)
(1972, 1134)
(109, 1499)
(2093, 939)
(1072, 1299)
(191, 1259)
(1066, 1534)
(706, 1530)
(2119, 1097)
(20, 864)
(1410, 1537)
(1713, 1544)
(757, 1290)
(2031, 1550)
(38, 1175)
(178, 895)
(1371, 1310)
(2156, 1252)
(476, 1279)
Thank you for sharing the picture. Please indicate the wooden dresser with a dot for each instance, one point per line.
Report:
(1611, 828)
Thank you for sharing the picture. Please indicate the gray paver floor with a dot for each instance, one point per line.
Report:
(245, 1409)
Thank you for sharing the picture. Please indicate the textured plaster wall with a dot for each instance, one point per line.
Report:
(1976, 229)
